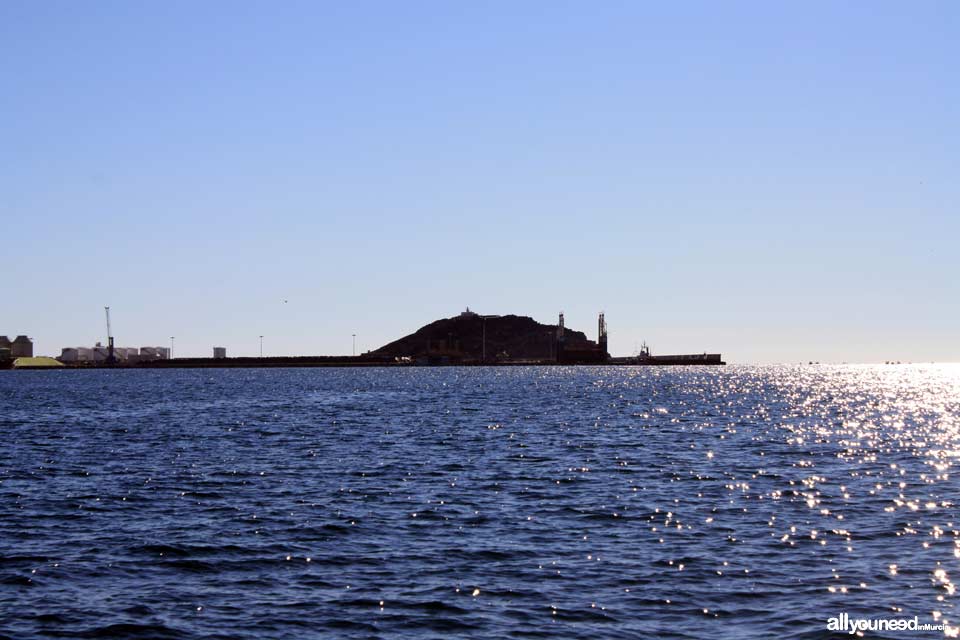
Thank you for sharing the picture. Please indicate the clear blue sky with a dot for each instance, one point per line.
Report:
(776, 181)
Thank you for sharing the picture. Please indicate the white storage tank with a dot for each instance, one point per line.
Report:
(154, 353)
(126, 353)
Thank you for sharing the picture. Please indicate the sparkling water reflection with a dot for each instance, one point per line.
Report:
(747, 502)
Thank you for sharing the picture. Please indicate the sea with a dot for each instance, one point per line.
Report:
(483, 502)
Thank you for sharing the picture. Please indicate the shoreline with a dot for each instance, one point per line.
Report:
(350, 362)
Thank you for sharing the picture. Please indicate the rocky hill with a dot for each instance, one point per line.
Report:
(507, 338)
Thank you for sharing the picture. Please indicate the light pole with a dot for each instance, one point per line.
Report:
(354, 352)
(261, 346)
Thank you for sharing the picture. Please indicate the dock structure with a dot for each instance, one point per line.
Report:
(689, 359)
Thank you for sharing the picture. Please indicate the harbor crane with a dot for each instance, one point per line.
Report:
(111, 358)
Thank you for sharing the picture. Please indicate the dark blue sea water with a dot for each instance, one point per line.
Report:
(734, 502)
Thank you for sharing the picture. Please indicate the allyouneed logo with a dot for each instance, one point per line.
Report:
(844, 622)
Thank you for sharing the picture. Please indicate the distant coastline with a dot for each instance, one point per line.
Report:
(467, 339)
(345, 361)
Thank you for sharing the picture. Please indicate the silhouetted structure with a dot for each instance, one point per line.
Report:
(602, 334)
(585, 352)
(468, 338)
(473, 338)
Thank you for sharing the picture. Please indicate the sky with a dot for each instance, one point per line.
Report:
(776, 182)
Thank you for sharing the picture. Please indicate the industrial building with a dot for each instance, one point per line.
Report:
(219, 353)
(96, 353)
(100, 354)
(585, 352)
(20, 347)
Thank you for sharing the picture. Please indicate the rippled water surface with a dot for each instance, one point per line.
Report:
(582, 502)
